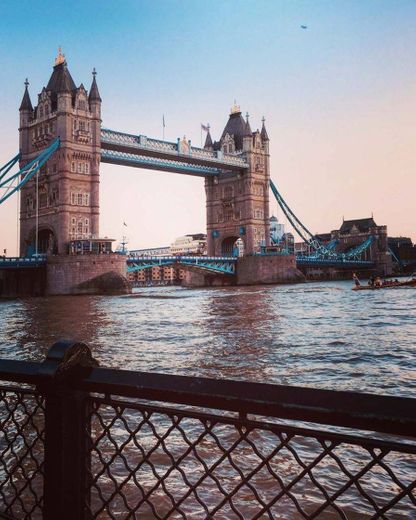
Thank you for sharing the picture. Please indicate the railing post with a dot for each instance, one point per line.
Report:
(66, 468)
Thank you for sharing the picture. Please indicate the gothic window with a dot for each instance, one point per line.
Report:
(79, 167)
(228, 215)
(87, 168)
(82, 125)
(81, 104)
(75, 124)
(79, 199)
(86, 199)
(79, 227)
(73, 202)
(43, 200)
(40, 112)
(46, 110)
(228, 192)
(86, 226)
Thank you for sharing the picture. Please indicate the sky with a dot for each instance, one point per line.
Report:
(339, 100)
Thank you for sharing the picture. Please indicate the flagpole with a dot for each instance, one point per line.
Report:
(163, 127)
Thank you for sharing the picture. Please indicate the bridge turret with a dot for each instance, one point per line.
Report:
(26, 113)
(68, 190)
(264, 136)
(248, 136)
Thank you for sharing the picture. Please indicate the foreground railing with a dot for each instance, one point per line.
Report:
(82, 442)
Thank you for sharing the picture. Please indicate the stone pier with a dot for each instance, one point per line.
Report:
(250, 270)
(87, 274)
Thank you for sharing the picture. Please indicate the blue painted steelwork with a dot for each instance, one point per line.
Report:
(221, 265)
(331, 262)
(321, 252)
(28, 171)
(154, 163)
(170, 156)
(8, 166)
(28, 261)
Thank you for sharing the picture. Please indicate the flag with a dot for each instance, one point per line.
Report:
(205, 128)
(124, 224)
(163, 119)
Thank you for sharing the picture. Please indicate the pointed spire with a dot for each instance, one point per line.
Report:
(208, 141)
(247, 132)
(263, 134)
(94, 93)
(26, 104)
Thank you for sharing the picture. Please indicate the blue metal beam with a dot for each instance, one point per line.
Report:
(220, 265)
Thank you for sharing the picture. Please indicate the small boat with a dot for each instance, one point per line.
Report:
(389, 284)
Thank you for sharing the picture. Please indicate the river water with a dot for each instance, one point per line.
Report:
(321, 335)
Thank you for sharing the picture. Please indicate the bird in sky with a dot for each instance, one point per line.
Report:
(304, 26)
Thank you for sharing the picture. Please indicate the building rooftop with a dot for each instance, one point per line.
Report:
(362, 224)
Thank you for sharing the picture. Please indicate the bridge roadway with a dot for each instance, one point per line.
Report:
(180, 157)
(220, 265)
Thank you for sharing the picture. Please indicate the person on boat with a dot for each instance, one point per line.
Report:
(371, 281)
(377, 282)
(356, 280)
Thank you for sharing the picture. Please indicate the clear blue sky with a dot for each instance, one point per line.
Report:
(339, 99)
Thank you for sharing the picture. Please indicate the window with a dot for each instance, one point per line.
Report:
(41, 112)
(87, 168)
(46, 110)
(54, 168)
(79, 199)
(86, 199)
(75, 124)
(73, 199)
(73, 167)
(43, 200)
(81, 104)
(82, 125)
(79, 167)
(73, 221)
(79, 228)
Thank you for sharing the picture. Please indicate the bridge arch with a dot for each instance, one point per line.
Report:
(47, 241)
(232, 246)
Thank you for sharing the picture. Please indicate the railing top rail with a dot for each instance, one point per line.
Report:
(388, 414)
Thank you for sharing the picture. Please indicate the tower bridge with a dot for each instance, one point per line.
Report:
(62, 144)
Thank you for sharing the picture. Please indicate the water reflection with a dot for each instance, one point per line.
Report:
(238, 321)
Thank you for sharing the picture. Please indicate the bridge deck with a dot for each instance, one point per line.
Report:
(143, 152)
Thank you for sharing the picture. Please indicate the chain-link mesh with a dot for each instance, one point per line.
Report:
(154, 462)
(21, 453)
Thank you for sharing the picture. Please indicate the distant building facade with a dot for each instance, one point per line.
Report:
(277, 230)
(189, 245)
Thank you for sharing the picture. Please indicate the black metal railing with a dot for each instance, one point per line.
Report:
(82, 442)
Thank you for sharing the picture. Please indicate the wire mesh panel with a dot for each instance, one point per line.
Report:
(21, 453)
(157, 462)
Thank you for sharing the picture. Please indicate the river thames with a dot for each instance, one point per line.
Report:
(321, 335)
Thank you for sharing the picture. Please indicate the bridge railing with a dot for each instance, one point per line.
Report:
(80, 441)
(145, 143)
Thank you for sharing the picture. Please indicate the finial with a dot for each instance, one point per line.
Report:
(94, 72)
(26, 83)
(236, 108)
(209, 127)
(263, 119)
(247, 116)
(60, 58)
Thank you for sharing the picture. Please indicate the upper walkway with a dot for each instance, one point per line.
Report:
(180, 157)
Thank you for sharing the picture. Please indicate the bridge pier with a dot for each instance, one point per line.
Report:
(87, 274)
(250, 270)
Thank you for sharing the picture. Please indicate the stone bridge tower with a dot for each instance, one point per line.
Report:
(238, 204)
(67, 187)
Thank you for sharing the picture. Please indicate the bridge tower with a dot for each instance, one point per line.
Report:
(238, 204)
(67, 187)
